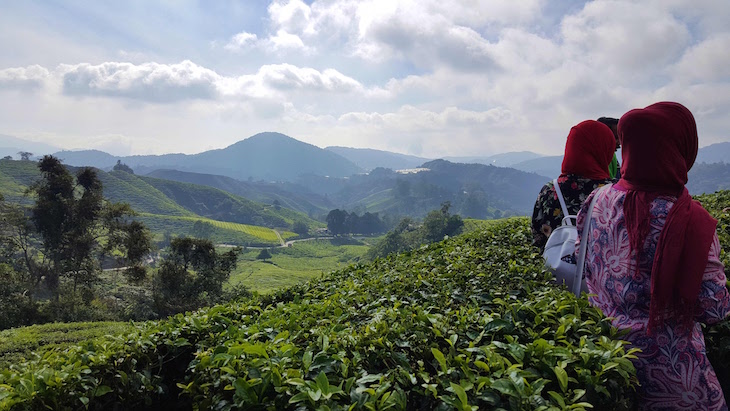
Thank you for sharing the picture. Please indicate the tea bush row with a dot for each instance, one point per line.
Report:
(470, 323)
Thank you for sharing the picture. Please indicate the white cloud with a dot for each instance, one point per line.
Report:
(147, 82)
(23, 78)
(707, 61)
(287, 76)
(292, 16)
(625, 38)
(284, 41)
(241, 41)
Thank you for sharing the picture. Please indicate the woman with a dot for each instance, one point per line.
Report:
(588, 152)
(653, 261)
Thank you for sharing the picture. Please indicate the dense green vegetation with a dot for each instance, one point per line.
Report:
(471, 322)
(27, 342)
(408, 235)
(53, 254)
(717, 337)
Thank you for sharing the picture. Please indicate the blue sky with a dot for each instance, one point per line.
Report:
(422, 77)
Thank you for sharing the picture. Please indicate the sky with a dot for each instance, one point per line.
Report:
(429, 78)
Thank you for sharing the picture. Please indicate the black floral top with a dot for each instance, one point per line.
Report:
(548, 214)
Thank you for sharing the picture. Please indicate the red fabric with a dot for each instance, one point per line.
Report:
(659, 146)
(588, 150)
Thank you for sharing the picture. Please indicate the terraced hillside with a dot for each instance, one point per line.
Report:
(169, 206)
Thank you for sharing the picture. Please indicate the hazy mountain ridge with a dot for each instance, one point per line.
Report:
(10, 146)
(267, 156)
(474, 190)
(508, 159)
(369, 159)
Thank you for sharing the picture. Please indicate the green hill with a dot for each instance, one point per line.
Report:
(169, 206)
(289, 195)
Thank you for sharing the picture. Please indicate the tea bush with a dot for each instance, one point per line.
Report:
(469, 323)
(717, 337)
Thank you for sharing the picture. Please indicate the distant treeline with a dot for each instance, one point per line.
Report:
(342, 222)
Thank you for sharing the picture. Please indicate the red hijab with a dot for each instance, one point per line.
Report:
(659, 146)
(588, 150)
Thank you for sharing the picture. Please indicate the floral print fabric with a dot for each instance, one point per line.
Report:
(548, 215)
(672, 367)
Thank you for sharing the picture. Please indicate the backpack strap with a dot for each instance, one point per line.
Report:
(581, 257)
(562, 200)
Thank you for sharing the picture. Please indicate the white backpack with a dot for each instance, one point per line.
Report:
(560, 247)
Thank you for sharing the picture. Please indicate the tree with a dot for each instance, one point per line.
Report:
(122, 167)
(192, 274)
(300, 228)
(277, 205)
(336, 221)
(8, 158)
(77, 228)
(370, 223)
(264, 255)
(440, 223)
(25, 155)
(16, 309)
(202, 229)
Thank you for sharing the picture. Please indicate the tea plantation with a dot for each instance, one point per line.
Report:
(470, 323)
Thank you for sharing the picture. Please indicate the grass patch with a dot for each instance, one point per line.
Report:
(293, 265)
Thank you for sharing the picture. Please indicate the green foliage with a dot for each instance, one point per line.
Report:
(717, 337)
(56, 246)
(202, 229)
(192, 275)
(122, 167)
(437, 225)
(300, 228)
(440, 223)
(342, 222)
(16, 308)
(158, 201)
(26, 343)
(264, 254)
(469, 323)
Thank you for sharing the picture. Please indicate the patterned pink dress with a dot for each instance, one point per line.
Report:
(672, 368)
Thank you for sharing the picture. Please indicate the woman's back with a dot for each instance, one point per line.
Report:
(672, 368)
(547, 214)
(589, 148)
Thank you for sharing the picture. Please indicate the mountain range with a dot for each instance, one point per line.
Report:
(274, 168)
(273, 156)
(264, 156)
